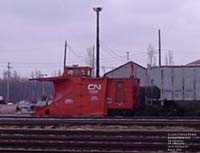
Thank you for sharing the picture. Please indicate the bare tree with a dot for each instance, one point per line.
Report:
(5, 75)
(90, 59)
(166, 60)
(59, 72)
(32, 75)
(56, 73)
(151, 56)
(169, 58)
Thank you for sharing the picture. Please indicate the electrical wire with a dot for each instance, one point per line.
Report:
(109, 49)
(72, 50)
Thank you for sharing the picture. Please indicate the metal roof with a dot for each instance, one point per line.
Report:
(130, 62)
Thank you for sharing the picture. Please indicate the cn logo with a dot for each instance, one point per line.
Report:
(94, 88)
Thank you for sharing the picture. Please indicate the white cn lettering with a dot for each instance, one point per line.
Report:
(94, 87)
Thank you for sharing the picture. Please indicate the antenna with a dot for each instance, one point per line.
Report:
(127, 56)
(93, 61)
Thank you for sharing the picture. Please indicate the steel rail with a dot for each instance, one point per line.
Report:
(93, 138)
(97, 117)
(7, 150)
(100, 140)
(106, 132)
(103, 121)
(47, 134)
(128, 146)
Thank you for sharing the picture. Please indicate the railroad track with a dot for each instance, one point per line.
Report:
(45, 121)
(91, 141)
(98, 135)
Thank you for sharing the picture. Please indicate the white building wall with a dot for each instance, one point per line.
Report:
(180, 83)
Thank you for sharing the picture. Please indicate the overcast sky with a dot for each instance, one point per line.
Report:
(32, 32)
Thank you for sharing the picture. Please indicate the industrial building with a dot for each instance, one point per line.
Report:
(177, 83)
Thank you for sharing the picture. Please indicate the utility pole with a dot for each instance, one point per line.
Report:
(8, 82)
(97, 10)
(93, 60)
(127, 56)
(65, 52)
(159, 46)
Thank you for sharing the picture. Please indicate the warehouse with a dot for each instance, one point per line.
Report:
(178, 83)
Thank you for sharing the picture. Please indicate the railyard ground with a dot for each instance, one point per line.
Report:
(11, 110)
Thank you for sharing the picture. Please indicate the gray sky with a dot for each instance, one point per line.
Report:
(32, 32)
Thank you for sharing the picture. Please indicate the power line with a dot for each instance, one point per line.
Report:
(136, 52)
(112, 55)
(31, 63)
(109, 49)
(72, 50)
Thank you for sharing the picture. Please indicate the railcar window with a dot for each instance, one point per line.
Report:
(120, 85)
(70, 72)
(88, 72)
(77, 72)
(82, 72)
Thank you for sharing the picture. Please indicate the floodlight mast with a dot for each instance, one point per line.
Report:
(97, 10)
